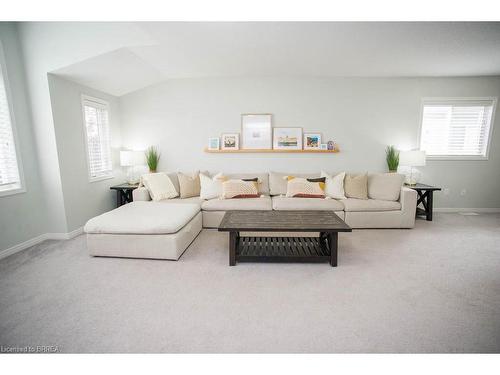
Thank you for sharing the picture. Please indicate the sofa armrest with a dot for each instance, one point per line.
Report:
(408, 200)
(141, 194)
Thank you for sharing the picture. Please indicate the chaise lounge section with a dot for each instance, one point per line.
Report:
(141, 229)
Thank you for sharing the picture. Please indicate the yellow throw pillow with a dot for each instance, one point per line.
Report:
(240, 189)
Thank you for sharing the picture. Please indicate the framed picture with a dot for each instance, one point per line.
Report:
(231, 141)
(287, 138)
(213, 143)
(256, 131)
(312, 141)
(323, 146)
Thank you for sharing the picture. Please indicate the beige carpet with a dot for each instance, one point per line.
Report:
(435, 288)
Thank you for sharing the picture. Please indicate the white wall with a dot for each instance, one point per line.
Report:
(82, 199)
(363, 115)
(47, 47)
(23, 216)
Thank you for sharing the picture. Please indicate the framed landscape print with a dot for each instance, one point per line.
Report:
(231, 141)
(312, 141)
(287, 138)
(256, 131)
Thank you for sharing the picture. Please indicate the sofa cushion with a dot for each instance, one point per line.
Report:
(263, 179)
(143, 218)
(356, 186)
(385, 186)
(316, 204)
(260, 204)
(175, 181)
(278, 181)
(193, 200)
(360, 205)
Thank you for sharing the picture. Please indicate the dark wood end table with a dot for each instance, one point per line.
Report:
(283, 249)
(124, 193)
(425, 197)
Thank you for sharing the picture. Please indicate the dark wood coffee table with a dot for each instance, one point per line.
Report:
(283, 249)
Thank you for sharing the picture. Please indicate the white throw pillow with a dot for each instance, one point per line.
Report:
(334, 187)
(211, 187)
(159, 186)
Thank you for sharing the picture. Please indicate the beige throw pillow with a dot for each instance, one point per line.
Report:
(159, 186)
(189, 185)
(356, 186)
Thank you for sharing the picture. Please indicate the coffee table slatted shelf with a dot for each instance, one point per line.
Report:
(293, 248)
(282, 249)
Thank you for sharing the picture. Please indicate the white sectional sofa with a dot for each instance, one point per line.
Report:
(164, 229)
(390, 205)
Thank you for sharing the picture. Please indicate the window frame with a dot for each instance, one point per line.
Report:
(87, 98)
(13, 124)
(425, 100)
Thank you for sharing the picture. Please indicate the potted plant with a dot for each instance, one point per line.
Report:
(392, 158)
(152, 158)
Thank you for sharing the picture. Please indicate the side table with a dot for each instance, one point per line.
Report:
(124, 193)
(425, 197)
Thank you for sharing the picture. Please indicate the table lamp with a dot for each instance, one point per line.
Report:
(414, 158)
(132, 159)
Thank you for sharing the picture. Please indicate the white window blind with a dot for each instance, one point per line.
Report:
(97, 137)
(456, 128)
(9, 168)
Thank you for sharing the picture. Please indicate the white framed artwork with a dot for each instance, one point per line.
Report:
(256, 131)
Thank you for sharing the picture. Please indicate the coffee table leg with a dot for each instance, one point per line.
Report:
(333, 243)
(233, 242)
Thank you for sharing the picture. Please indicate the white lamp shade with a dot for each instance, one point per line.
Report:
(414, 158)
(131, 158)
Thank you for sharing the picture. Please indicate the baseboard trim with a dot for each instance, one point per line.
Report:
(478, 210)
(36, 240)
(65, 236)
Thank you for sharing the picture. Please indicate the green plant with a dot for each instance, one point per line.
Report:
(392, 158)
(152, 158)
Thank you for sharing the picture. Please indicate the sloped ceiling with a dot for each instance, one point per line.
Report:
(330, 49)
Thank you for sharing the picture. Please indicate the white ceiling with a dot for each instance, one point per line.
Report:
(330, 49)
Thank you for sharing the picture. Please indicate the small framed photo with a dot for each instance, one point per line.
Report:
(287, 138)
(312, 141)
(231, 141)
(256, 131)
(323, 146)
(213, 143)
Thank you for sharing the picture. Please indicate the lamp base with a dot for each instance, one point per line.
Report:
(132, 177)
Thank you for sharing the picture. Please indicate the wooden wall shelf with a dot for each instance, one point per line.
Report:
(260, 151)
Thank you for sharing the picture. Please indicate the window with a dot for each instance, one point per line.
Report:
(10, 173)
(457, 128)
(95, 114)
